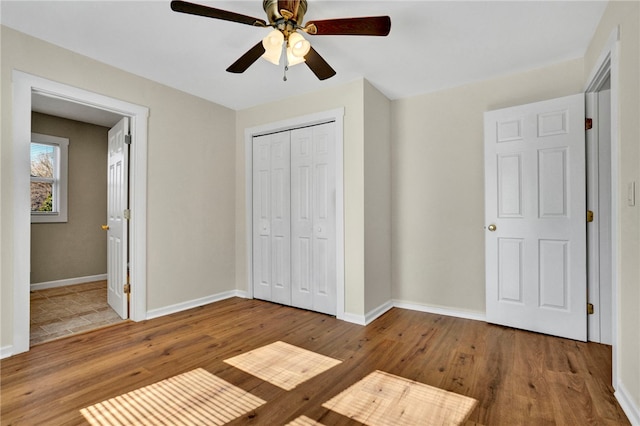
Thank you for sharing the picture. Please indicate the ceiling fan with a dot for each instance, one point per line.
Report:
(286, 16)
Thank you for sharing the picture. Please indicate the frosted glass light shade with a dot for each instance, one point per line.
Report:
(298, 45)
(293, 59)
(272, 44)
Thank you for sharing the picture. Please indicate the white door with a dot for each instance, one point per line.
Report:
(271, 218)
(117, 202)
(535, 212)
(313, 211)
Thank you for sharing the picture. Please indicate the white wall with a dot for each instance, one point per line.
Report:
(190, 175)
(438, 184)
(626, 15)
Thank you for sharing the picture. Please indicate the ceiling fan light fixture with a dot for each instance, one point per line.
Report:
(298, 45)
(272, 44)
(293, 59)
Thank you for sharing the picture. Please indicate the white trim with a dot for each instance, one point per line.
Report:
(376, 313)
(68, 281)
(6, 351)
(608, 65)
(23, 86)
(195, 303)
(593, 235)
(60, 181)
(439, 310)
(243, 294)
(354, 318)
(601, 70)
(336, 115)
(626, 403)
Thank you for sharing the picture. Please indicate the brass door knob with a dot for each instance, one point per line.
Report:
(492, 227)
(105, 227)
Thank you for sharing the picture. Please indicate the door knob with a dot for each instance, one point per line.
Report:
(105, 227)
(492, 227)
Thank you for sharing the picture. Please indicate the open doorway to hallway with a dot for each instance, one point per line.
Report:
(68, 256)
(26, 89)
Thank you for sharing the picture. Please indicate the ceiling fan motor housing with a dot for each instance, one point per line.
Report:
(273, 10)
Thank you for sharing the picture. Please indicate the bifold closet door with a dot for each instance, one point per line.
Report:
(313, 218)
(271, 218)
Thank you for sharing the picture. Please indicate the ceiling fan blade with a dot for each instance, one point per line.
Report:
(246, 60)
(210, 12)
(368, 26)
(318, 65)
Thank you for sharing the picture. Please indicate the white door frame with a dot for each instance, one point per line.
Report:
(336, 115)
(23, 86)
(607, 66)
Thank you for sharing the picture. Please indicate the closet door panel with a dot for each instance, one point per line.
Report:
(302, 218)
(280, 218)
(324, 221)
(262, 217)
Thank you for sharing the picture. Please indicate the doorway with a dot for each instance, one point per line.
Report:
(600, 192)
(69, 256)
(24, 86)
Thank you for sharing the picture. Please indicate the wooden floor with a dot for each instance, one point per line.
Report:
(518, 377)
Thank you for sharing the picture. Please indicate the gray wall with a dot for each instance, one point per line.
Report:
(77, 248)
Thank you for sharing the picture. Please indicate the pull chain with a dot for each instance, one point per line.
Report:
(286, 66)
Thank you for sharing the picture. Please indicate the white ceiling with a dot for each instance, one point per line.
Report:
(59, 107)
(432, 45)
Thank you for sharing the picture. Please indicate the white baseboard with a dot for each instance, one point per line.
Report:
(353, 318)
(370, 316)
(243, 294)
(179, 307)
(628, 406)
(6, 351)
(68, 281)
(477, 316)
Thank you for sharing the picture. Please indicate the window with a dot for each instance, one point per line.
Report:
(49, 159)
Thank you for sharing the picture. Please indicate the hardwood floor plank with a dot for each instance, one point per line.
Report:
(517, 377)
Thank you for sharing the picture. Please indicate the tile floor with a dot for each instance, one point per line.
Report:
(62, 311)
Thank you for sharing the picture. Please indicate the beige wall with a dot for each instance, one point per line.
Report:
(78, 247)
(191, 176)
(626, 15)
(438, 184)
(350, 97)
(377, 198)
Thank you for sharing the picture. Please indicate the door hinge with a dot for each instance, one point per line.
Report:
(588, 123)
(127, 288)
(127, 139)
(589, 216)
(126, 214)
(589, 308)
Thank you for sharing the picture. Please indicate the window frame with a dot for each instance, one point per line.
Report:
(61, 179)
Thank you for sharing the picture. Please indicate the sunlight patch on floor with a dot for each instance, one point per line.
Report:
(195, 397)
(384, 399)
(282, 364)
